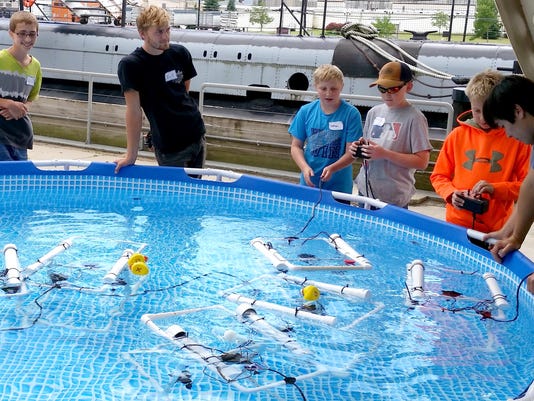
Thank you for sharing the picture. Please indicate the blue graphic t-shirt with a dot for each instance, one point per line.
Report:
(325, 139)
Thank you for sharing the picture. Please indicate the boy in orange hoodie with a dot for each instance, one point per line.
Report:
(480, 162)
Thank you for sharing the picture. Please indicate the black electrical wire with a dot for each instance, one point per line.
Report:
(289, 380)
(39, 306)
(313, 211)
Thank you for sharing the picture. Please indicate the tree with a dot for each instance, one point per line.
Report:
(486, 22)
(211, 5)
(385, 27)
(440, 20)
(260, 15)
(231, 6)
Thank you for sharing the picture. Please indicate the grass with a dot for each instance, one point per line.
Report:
(458, 38)
(407, 36)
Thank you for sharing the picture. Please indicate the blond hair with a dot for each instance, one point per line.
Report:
(481, 85)
(152, 16)
(22, 17)
(327, 72)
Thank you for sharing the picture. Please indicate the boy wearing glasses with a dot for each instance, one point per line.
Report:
(155, 78)
(395, 140)
(20, 83)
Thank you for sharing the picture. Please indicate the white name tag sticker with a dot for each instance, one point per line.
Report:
(170, 76)
(30, 81)
(379, 121)
(335, 125)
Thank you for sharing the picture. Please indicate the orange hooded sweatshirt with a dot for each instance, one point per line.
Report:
(470, 154)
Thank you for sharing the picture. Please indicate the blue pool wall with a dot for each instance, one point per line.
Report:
(516, 262)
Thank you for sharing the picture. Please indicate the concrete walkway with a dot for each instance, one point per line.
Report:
(426, 203)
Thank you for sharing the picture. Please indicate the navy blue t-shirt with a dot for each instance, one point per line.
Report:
(175, 121)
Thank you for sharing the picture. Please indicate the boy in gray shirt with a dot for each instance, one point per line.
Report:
(395, 140)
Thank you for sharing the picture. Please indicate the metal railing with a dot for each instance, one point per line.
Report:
(302, 95)
(89, 77)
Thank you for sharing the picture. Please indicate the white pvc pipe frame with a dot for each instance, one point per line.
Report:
(247, 314)
(149, 318)
(282, 264)
(295, 312)
(416, 282)
(109, 278)
(346, 291)
(342, 246)
(338, 290)
(29, 270)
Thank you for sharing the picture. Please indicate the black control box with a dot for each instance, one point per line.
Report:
(359, 153)
(476, 205)
(359, 150)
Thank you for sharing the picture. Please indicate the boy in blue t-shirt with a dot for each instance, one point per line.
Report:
(322, 132)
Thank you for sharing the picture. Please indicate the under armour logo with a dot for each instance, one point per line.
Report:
(493, 162)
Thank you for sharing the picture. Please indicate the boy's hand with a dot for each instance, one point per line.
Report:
(14, 110)
(306, 174)
(127, 160)
(326, 174)
(482, 187)
(456, 198)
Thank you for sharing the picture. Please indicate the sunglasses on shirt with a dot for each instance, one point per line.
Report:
(392, 90)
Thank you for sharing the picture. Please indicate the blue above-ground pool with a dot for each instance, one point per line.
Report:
(154, 285)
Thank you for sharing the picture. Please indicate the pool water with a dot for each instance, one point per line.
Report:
(73, 337)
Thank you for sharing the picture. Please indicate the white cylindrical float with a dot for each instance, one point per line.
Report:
(174, 332)
(342, 246)
(246, 313)
(272, 254)
(118, 267)
(29, 270)
(298, 313)
(498, 297)
(416, 278)
(12, 265)
(360, 293)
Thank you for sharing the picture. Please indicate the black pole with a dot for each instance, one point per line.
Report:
(324, 19)
(21, 5)
(452, 17)
(123, 14)
(304, 14)
(198, 16)
(280, 23)
(466, 19)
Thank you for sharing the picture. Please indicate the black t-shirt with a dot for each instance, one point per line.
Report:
(175, 121)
